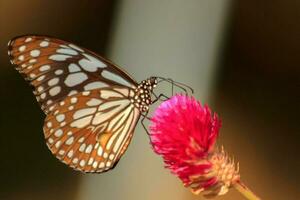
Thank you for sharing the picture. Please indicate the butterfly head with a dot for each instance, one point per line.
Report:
(152, 81)
(143, 92)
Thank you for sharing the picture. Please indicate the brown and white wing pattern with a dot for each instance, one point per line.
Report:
(87, 99)
(90, 131)
(57, 69)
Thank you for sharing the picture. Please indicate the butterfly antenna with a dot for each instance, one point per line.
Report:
(145, 116)
(185, 85)
(177, 84)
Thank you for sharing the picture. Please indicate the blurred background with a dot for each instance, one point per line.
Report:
(241, 57)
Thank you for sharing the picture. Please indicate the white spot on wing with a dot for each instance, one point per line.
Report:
(75, 160)
(54, 91)
(33, 60)
(72, 92)
(64, 46)
(43, 96)
(21, 57)
(10, 42)
(58, 133)
(44, 44)
(86, 93)
(57, 144)
(60, 117)
(53, 81)
(111, 156)
(95, 164)
(44, 68)
(58, 72)
(40, 88)
(108, 164)
(81, 139)
(125, 92)
(101, 165)
(91, 64)
(49, 124)
(82, 163)
(50, 140)
(67, 51)
(35, 53)
(89, 149)
(59, 57)
(22, 48)
(70, 154)
(93, 102)
(109, 93)
(116, 78)
(75, 79)
(80, 123)
(74, 68)
(100, 151)
(70, 141)
(28, 39)
(82, 147)
(90, 161)
(61, 152)
(95, 85)
(74, 100)
(40, 78)
(84, 112)
(105, 155)
(75, 47)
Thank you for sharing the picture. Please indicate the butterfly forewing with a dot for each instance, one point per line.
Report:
(58, 69)
(89, 131)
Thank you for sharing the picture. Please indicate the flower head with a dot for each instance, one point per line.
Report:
(184, 132)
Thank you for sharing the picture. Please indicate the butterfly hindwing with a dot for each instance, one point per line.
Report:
(90, 131)
(57, 69)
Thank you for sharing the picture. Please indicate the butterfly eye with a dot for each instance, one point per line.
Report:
(153, 81)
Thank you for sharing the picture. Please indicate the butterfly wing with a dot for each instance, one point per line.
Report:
(56, 68)
(90, 118)
(90, 131)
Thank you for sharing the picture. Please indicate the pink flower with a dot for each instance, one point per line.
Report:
(184, 133)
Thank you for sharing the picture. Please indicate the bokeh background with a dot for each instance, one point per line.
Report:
(241, 57)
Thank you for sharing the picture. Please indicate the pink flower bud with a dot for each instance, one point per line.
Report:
(184, 132)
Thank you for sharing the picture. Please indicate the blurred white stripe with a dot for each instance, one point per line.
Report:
(177, 39)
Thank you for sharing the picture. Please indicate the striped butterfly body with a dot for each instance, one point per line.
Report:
(91, 105)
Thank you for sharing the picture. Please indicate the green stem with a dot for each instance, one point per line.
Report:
(244, 190)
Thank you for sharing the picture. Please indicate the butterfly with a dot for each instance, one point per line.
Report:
(92, 106)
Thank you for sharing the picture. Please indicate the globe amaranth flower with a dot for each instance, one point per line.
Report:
(184, 133)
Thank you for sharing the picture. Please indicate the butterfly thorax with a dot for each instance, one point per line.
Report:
(142, 97)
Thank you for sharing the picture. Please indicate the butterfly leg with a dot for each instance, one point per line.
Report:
(143, 123)
(172, 85)
(159, 97)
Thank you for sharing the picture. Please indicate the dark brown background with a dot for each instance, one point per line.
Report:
(257, 93)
